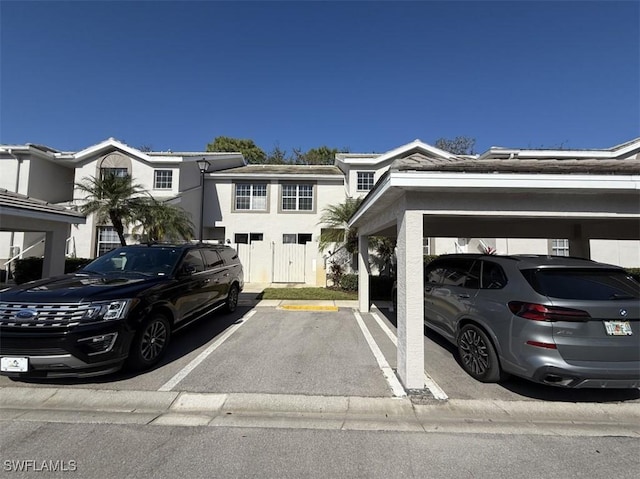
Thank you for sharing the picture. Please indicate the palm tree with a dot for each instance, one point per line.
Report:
(385, 250)
(335, 219)
(113, 198)
(160, 221)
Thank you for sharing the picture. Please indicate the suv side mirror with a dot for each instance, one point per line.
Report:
(187, 269)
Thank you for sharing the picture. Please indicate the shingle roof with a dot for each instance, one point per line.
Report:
(9, 199)
(276, 170)
(419, 162)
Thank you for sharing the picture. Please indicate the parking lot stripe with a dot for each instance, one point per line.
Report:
(388, 373)
(184, 372)
(435, 390)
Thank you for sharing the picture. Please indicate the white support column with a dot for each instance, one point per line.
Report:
(363, 273)
(54, 250)
(579, 244)
(410, 301)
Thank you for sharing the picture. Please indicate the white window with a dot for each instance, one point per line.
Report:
(241, 238)
(251, 197)
(426, 246)
(560, 247)
(107, 239)
(293, 238)
(297, 197)
(163, 179)
(365, 180)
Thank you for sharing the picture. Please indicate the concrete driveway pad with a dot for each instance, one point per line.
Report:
(292, 352)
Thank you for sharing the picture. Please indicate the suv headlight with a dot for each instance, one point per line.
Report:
(108, 310)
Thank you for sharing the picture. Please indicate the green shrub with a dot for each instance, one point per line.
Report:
(428, 258)
(349, 282)
(27, 269)
(30, 269)
(73, 264)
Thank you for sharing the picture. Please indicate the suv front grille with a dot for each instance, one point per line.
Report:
(41, 315)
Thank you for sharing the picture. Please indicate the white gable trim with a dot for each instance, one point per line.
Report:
(109, 144)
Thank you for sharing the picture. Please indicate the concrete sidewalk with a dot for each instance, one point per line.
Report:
(317, 412)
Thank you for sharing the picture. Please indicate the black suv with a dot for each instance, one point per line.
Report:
(119, 309)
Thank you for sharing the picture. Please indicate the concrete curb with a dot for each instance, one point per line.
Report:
(317, 412)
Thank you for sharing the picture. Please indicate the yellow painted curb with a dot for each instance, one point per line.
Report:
(308, 307)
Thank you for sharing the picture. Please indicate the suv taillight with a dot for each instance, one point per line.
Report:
(540, 312)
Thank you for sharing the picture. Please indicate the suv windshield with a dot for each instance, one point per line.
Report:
(148, 260)
(587, 284)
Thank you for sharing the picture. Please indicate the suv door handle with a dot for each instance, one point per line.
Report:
(463, 296)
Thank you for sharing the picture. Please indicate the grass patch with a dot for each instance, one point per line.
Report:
(307, 293)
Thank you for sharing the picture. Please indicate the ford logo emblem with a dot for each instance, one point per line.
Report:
(623, 312)
(27, 314)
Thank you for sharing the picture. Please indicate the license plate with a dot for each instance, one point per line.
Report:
(618, 328)
(14, 365)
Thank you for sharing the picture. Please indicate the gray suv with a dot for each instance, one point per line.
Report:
(553, 320)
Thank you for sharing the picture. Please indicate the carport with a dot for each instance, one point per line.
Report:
(579, 195)
(22, 213)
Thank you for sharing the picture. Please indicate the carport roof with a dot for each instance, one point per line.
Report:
(416, 168)
(602, 166)
(16, 204)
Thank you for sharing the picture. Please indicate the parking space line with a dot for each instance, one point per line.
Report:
(388, 373)
(435, 390)
(184, 372)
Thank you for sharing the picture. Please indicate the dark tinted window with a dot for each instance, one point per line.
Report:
(462, 272)
(136, 259)
(583, 284)
(433, 274)
(242, 238)
(194, 258)
(454, 272)
(212, 259)
(493, 276)
(229, 255)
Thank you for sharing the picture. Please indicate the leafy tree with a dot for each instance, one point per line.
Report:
(251, 152)
(160, 221)
(460, 145)
(112, 198)
(322, 155)
(384, 251)
(334, 219)
(277, 156)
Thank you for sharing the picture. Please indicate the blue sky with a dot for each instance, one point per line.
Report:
(367, 76)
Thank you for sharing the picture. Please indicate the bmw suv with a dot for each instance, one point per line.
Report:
(120, 309)
(554, 320)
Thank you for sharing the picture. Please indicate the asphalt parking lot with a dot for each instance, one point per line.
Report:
(264, 349)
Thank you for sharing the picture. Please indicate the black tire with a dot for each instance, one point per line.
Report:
(477, 355)
(150, 342)
(231, 303)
